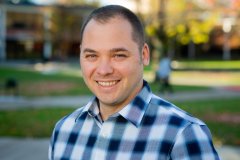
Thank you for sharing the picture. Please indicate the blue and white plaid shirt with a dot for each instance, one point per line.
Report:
(148, 128)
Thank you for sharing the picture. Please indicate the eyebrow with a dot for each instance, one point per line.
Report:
(89, 50)
(120, 49)
(113, 50)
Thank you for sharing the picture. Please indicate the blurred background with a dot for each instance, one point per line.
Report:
(186, 29)
(40, 77)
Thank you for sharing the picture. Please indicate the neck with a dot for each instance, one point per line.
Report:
(107, 111)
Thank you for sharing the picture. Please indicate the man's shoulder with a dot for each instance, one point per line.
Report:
(162, 107)
(69, 120)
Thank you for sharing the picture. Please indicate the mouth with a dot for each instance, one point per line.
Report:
(107, 83)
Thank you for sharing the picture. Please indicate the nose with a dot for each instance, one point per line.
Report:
(104, 67)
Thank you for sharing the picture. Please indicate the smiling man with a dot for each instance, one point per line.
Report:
(112, 63)
(124, 120)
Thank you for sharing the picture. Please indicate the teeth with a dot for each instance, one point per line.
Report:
(107, 84)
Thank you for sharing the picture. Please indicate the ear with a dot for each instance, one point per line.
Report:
(145, 55)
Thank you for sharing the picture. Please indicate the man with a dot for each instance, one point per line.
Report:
(125, 120)
(163, 74)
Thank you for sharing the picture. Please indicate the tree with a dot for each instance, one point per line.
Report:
(187, 22)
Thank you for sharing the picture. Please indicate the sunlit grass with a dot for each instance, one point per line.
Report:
(206, 78)
(230, 65)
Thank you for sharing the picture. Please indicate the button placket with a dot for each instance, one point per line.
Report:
(102, 142)
(105, 130)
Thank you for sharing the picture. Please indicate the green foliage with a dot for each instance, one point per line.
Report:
(183, 22)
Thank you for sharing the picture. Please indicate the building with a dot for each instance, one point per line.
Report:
(32, 32)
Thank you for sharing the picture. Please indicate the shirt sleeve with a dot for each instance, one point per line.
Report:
(52, 142)
(194, 142)
(50, 148)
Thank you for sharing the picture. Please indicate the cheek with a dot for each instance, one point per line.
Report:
(134, 65)
(86, 69)
(130, 69)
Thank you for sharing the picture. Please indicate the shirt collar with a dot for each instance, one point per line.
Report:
(135, 110)
(132, 112)
(91, 107)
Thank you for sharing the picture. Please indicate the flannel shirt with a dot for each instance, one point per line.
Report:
(148, 128)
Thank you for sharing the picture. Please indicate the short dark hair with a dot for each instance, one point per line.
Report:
(104, 14)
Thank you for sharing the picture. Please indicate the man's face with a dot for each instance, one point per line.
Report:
(111, 63)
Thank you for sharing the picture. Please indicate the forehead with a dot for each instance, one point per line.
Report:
(116, 29)
(116, 24)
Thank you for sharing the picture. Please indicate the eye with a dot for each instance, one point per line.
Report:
(91, 57)
(120, 56)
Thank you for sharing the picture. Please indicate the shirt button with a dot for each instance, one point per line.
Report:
(104, 134)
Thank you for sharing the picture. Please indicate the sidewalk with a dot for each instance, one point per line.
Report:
(37, 149)
(23, 149)
(12, 102)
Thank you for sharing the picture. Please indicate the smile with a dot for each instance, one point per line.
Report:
(107, 84)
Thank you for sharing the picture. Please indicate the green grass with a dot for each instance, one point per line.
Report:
(155, 86)
(220, 105)
(28, 74)
(230, 65)
(30, 122)
(33, 83)
(40, 122)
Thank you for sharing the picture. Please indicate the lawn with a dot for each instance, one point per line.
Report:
(213, 65)
(34, 83)
(40, 122)
(30, 122)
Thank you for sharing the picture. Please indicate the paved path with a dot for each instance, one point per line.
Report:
(11, 102)
(23, 149)
(37, 149)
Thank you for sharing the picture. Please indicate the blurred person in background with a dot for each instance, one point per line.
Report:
(163, 74)
(124, 120)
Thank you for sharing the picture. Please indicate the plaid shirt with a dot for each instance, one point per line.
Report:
(148, 128)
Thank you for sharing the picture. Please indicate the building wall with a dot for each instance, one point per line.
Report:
(41, 32)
